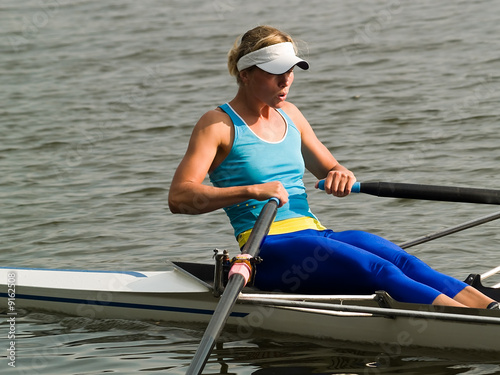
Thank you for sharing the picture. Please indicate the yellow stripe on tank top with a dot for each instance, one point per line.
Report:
(286, 226)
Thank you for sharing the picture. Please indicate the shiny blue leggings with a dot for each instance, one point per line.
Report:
(350, 262)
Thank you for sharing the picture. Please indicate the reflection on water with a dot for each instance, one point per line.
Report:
(50, 344)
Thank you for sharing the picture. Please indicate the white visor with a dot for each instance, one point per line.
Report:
(275, 59)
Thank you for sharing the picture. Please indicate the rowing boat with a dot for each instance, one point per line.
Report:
(185, 292)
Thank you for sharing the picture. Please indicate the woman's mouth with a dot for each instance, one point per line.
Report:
(282, 95)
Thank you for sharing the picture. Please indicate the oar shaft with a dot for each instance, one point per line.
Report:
(234, 286)
(451, 230)
(431, 192)
(425, 192)
(216, 324)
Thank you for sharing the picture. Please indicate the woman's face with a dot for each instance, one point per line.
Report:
(271, 89)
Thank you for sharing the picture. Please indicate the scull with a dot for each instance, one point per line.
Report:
(185, 293)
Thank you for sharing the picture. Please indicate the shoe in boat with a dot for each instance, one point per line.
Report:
(494, 306)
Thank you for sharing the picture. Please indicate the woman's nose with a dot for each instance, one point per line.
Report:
(285, 79)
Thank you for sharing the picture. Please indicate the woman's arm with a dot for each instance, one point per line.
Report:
(210, 143)
(319, 160)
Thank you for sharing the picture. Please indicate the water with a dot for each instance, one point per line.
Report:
(98, 101)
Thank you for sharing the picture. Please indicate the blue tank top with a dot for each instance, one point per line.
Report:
(253, 160)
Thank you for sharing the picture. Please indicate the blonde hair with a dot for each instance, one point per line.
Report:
(254, 39)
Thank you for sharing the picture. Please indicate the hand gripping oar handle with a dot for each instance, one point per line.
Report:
(426, 192)
(234, 286)
(355, 188)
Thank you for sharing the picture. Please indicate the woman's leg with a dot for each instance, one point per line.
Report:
(416, 269)
(310, 262)
(472, 297)
(444, 300)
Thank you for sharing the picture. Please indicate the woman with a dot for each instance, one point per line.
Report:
(256, 147)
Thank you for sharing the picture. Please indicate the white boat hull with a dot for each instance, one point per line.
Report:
(176, 296)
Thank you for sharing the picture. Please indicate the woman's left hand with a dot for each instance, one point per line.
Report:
(339, 182)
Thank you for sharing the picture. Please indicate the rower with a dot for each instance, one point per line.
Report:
(257, 146)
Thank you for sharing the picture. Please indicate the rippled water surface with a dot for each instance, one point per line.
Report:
(98, 100)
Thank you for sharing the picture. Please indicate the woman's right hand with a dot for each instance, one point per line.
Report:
(268, 190)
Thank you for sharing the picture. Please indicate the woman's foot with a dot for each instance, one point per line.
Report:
(494, 306)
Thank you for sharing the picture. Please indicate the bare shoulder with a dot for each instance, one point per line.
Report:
(289, 108)
(215, 124)
(296, 115)
(213, 131)
(215, 117)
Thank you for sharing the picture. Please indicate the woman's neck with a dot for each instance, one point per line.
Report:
(248, 106)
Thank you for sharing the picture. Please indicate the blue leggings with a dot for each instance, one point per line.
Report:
(350, 262)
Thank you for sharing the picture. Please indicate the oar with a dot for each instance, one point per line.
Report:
(451, 230)
(237, 280)
(426, 192)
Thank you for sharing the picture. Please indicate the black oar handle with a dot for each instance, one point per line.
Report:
(261, 227)
(426, 192)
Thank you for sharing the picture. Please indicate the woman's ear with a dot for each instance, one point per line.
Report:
(244, 76)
